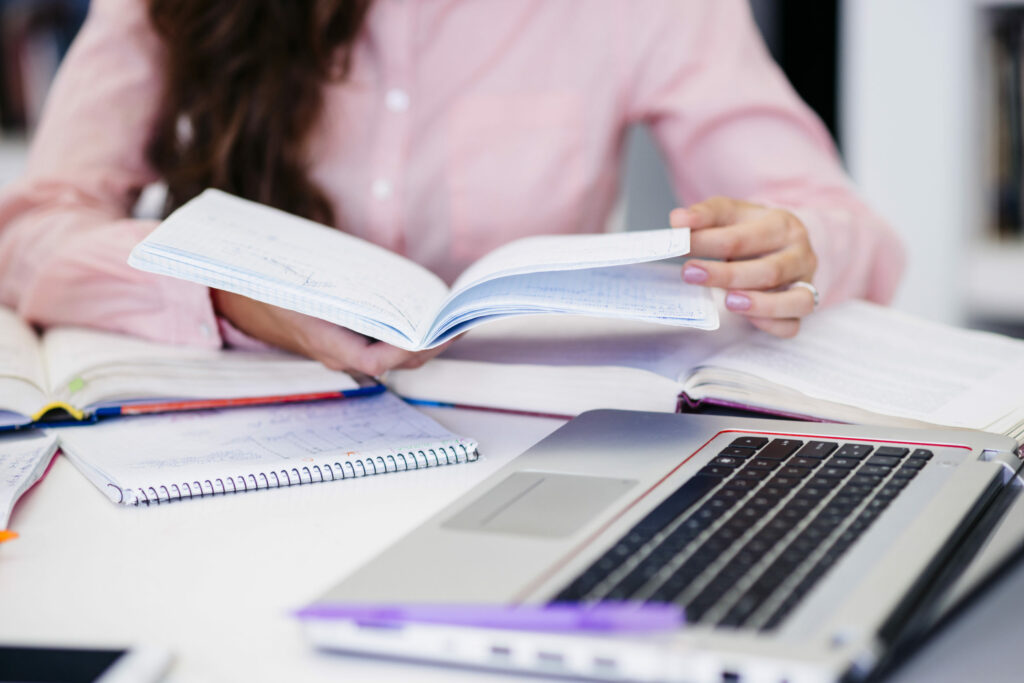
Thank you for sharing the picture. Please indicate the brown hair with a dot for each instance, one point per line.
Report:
(243, 87)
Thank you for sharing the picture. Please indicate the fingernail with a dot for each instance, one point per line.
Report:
(678, 218)
(694, 275)
(737, 302)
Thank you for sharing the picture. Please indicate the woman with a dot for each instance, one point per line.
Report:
(438, 129)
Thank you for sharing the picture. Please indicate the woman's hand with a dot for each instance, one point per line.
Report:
(334, 346)
(763, 251)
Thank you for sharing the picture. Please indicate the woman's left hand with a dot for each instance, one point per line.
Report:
(762, 252)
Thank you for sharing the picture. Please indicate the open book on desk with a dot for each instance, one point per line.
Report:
(857, 362)
(243, 247)
(157, 458)
(78, 374)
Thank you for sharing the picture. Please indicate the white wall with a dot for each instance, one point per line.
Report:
(908, 106)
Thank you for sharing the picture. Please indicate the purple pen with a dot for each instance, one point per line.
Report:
(621, 617)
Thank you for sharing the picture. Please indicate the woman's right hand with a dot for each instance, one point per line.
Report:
(336, 347)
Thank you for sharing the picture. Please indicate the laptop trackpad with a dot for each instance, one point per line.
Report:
(539, 504)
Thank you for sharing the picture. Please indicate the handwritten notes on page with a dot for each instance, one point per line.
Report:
(233, 244)
(23, 459)
(240, 246)
(574, 252)
(647, 292)
(185, 455)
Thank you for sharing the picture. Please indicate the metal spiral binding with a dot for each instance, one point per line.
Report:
(305, 474)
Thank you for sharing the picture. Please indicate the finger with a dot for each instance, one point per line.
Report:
(713, 212)
(335, 347)
(742, 240)
(768, 272)
(784, 327)
(378, 357)
(789, 303)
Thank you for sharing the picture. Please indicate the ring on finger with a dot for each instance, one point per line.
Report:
(803, 284)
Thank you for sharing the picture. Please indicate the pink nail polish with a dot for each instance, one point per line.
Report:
(694, 275)
(737, 302)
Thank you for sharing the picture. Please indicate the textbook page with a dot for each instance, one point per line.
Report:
(890, 363)
(22, 380)
(564, 365)
(88, 367)
(149, 458)
(243, 247)
(23, 459)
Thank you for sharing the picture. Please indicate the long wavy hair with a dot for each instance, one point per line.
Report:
(243, 88)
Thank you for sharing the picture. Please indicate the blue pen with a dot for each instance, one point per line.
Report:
(622, 617)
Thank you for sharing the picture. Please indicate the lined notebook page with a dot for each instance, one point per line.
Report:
(575, 252)
(161, 457)
(650, 292)
(240, 246)
(23, 459)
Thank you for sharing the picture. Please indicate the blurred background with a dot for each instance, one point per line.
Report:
(923, 97)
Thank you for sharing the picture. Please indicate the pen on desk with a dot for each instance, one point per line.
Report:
(6, 535)
(621, 617)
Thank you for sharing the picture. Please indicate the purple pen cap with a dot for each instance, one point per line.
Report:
(613, 617)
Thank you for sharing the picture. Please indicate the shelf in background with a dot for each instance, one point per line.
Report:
(995, 280)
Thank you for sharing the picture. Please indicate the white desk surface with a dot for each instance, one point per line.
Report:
(214, 580)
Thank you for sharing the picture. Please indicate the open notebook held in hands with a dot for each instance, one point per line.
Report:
(74, 374)
(243, 247)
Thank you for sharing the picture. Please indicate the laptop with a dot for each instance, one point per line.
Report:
(799, 551)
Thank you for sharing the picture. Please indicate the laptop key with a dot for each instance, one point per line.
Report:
(780, 449)
(874, 471)
(883, 460)
(892, 451)
(738, 452)
(763, 464)
(750, 441)
(797, 472)
(809, 463)
(749, 472)
(854, 450)
(817, 449)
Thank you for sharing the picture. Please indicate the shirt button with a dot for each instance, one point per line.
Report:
(396, 100)
(381, 188)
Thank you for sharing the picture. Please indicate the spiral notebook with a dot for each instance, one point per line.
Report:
(159, 458)
(23, 460)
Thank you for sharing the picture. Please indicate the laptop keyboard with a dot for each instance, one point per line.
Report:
(774, 516)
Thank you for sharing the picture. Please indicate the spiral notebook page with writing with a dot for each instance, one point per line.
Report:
(23, 459)
(186, 455)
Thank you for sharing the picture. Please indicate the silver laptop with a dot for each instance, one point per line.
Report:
(799, 551)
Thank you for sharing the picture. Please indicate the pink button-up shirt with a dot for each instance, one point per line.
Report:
(464, 124)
